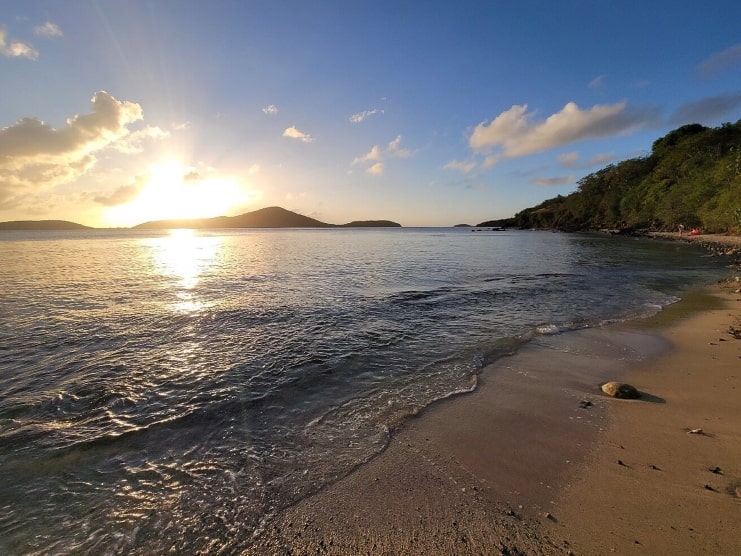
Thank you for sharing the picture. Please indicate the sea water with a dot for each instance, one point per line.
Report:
(175, 390)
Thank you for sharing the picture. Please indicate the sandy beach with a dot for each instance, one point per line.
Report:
(538, 461)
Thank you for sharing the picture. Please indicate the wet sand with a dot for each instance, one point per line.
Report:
(538, 461)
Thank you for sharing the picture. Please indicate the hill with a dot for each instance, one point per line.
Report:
(271, 217)
(692, 177)
(371, 224)
(50, 225)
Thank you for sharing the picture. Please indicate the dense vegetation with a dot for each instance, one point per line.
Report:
(692, 177)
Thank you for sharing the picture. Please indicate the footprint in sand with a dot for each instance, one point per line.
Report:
(734, 489)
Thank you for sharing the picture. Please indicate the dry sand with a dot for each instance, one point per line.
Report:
(675, 492)
(529, 462)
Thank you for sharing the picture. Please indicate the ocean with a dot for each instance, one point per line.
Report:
(174, 391)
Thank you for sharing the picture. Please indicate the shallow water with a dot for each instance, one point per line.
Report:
(176, 390)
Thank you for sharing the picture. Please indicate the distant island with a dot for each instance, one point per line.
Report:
(271, 217)
(42, 225)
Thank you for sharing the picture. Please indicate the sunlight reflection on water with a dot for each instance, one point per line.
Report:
(185, 256)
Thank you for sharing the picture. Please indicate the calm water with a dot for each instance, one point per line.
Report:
(178, 390)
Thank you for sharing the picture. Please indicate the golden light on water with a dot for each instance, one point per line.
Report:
(185, 256)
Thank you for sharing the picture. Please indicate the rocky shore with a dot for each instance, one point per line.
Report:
(720, 245)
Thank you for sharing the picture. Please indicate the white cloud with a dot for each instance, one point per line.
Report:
(376, 169)
(293, 133)
(515, 133)
(254, 169)
(16, 49)
(464, 167)
(34, 156)
(270, 110)
(394, 149)
(49, 30)
(376, 156)
(131, 144)
(365, 114)
(568, 160)
(373, 155)
(720, 61)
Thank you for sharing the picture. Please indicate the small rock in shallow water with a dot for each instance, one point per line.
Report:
(621, 390)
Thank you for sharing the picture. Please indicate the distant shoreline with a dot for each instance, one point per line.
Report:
(270, 217)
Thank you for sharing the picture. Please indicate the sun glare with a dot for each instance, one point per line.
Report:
(184, 257)
(173, 192)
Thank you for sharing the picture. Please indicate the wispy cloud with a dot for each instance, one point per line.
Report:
(16, 49)
(270, 110)
(364, 115)
(597, 82)
(515, 132)
(707, 110)
(293, 133)
(373, 155)
(720, 61)
(465, 167)
(376, 169)
(560, 180)
(394, 148)
(572, 160)
(376, 156)
(569, 160)
(49, 30)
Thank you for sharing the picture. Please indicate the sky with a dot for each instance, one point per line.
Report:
(430, 113)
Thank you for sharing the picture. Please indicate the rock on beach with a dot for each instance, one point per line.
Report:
(621, 390)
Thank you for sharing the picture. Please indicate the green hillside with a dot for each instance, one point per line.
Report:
(691, 177)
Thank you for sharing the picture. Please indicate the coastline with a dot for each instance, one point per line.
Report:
(525, 465)
(715, 243)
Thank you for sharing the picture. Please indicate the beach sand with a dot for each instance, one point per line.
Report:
(538, 461)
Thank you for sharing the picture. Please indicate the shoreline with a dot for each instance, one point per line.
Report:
(516, 464)
(727, 245)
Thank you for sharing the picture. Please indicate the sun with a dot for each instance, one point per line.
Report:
(172, 191)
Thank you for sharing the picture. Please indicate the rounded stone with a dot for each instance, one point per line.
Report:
(621, 390)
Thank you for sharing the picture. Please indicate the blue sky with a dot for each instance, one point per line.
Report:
(426, 113)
